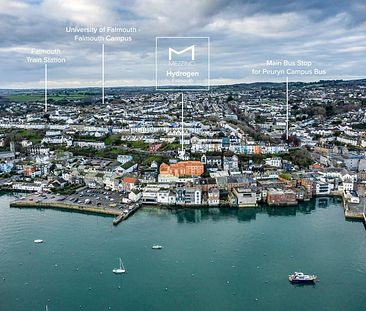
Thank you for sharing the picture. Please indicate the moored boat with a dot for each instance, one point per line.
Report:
(300, 277)
(121, 268)
(156, 247)
(38, 241)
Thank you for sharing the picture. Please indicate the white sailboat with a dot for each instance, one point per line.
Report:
(121, 268)
(38, 241)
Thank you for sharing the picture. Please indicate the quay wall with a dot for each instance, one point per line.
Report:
(65, 206)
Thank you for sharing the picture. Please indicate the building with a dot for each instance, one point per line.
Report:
(163, 197)
(231, 163)
(29, 187)
(213, 196)
(150, 194)
(7, 156)
(193, 196)
(278, 197)
(352, 197)
(89, 144)
(243, 197)
(211, 160)
(135, 195)
(348, 184)
(6, 167)
(122, 158)
(28, 170)
(128, 183)
(154, 147)
(322, 188)
(274, 162)
(240, 181)
(182, 168)
(111, 182)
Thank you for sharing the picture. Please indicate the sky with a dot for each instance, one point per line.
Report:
(244, 35)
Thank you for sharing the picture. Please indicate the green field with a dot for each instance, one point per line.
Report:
(22, 98)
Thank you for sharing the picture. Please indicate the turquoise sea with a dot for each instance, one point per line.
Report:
(213, 259)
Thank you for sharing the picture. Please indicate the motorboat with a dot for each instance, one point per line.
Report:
(121, 268)
(300, 277)
(156, 247)
(38, 241)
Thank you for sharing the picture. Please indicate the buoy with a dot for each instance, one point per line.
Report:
(166, 288)
(256, 299)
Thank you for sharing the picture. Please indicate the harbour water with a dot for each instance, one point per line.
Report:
(212, 259)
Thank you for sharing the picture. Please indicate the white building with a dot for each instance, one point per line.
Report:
(274, 162)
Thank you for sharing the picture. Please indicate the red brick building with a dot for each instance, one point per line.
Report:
(183, 168)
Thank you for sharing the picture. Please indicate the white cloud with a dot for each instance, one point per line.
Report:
(243, 34)
(13, 7)
(84, 12)
(259, 25)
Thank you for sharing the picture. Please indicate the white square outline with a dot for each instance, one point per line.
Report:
(208, 64)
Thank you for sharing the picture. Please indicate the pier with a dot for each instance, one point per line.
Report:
(354, 215)
(118, 214)
(352, 211)
(127, 212)
(65, 206)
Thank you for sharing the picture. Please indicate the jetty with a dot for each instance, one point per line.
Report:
(354, 211)
(118, 214)
(127, 212)
(354, 215)
(65, 206)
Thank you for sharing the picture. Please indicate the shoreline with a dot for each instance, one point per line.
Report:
(119, 215)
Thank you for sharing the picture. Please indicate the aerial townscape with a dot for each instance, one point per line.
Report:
(237, 146)
(182, 155)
